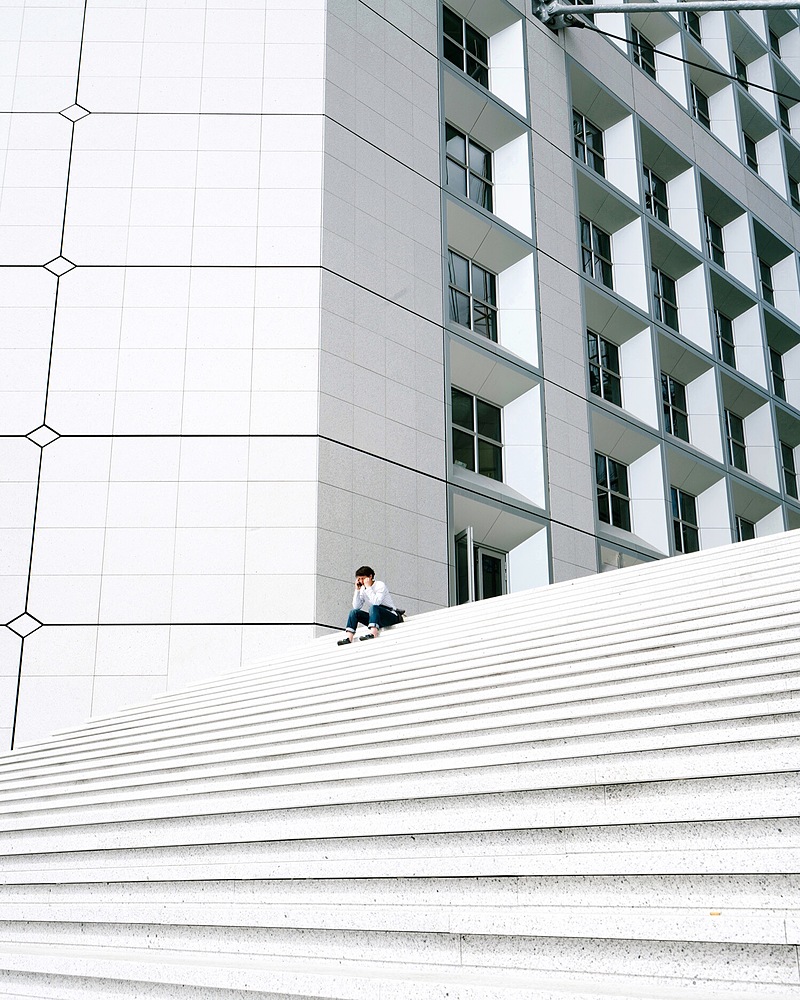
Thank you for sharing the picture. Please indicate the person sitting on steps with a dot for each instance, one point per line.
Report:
(375, 595)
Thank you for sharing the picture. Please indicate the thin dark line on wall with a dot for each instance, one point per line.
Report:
(80, 50)
(66, 190)
(16, 695)
(52, 346)
(397, 29)
(33, 526)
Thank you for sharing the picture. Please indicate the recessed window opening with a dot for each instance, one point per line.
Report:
(588, 143)
(726, 347)
(613, 492)
(794, 192)
(691, 22)
(740, 69)
(789, 470)
(604, 368)
(745, 530)
(765, 276)
(477, 435)
(734, 433)
(596, 253)
(472, 295)
(469, 167)
(655, 195)
(778, 378)
(465, 47)
(700, 106)
(715, 247)
(750, 152)
(673, 401)
(644, 53)
(665, 298)
(685, 531)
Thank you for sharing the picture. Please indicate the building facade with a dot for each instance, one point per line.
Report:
(288, 287)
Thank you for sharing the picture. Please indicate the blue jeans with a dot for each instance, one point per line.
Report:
(379, 617)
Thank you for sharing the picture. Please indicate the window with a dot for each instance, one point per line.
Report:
(477, 439)
(745, 530)
(604, 370)
(726, 348)
(734, 432)
(480, 571)
(794, 192)
(700, 108)
(644, 54)
(588, 140)
(473, 295)
(469, 168)
(778, 378)
(655, 195)
(465, 47)
(750, 152)
(613, 498)
(665, 298)
(783, 116)
(740, 68)
(789, 470)
(684, 521)
(775, 43)
(673, 400)
(765, 273)
(596, 253)
(714, 244)
(691, 21)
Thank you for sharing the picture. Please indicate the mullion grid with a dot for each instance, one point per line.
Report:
(604, 368)
(468, 167)
(655, 195)
(737, 446)
(726, 346)
(673, 399)
(685, 532)
(588, 143)
(613, 494)
(477, 434)
(789, 470)
(596, 253)
(466, 47)
(665, 298)
(473, 296)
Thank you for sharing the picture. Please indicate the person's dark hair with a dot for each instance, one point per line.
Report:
(365, 571)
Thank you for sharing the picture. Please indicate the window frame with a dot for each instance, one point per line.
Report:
(750, 151)
(740, 71)
(685, 528)
(767, 288)
(477, 434)
(663, 306)
(486, 181)
(714, 250)
(736, 446)
(675, 410)
(700, 114)
(724, 339)
(742, 533)
(777, 374)
(783, 116)
(616, 502)
(485, 306)
(594, 262)
(468, 33)
(690, 20)
(602, 371)
(591, 153)
(642, 47)
(794, 192)
(789, 469)
(657, 206)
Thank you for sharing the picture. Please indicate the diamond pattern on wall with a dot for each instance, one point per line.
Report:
(24, 624)
(43, 436)
(74, 112)
(59, 265)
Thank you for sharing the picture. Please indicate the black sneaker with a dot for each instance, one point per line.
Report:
(364, 638)
(343, 642)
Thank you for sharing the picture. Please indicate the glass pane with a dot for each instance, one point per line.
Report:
(459, 307)
(678, 392)
(618, 477)
(453, 25)
(491, 575)
(478, 72)
(592, 341)
(485, 321)
(691, 539)
(739, 457)
(462, 570)
(677, 535)
(600, 469)
(488, 420)
(603, 508)
(457, 178)
(620, 513)
(606, 274)
(673, 499)
(453, 53)
(594, 380)
(480, 192)
(670, 316)
(490, 460)
(612, 388)
(610, 355)
(688, 508)
(456, 144)
(480, 160)
(602, 243)
(477, 44)
(463, 450)
(462, 409)
(680, 426)
(458, 270)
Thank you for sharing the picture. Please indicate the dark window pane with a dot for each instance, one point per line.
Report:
(462, 570)
(603, 507)
(457, 178)
(488, 420)
(620, 513)
(453, 25)
(463, 450)
(491, 576)
(600, 469)
(477, 44)
(594, 350)
(480, 192)
(484, 321)
(612, 388)
(459, 307)
(680, 425)
(480, 160)
(462, 409)
(459, 270)
(478, 72)
(691, 539)
(453, 53)
(594, 380)
(490, 459)
(456, 144)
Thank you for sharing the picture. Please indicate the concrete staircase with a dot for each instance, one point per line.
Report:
(587, 791)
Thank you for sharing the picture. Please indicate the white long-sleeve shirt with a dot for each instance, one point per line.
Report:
(378, 593)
